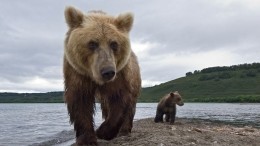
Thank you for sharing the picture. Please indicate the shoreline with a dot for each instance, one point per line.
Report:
(184, 132)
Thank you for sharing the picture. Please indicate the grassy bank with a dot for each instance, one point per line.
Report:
(234, 84)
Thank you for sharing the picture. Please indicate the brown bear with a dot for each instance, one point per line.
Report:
(99, 62)
(167, 106)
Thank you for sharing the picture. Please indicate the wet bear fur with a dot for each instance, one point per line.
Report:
(99, 62)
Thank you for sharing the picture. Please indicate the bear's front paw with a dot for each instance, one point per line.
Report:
(106, 132)
(86, 140)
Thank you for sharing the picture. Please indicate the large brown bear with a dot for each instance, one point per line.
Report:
(167, 106)
(99, 62)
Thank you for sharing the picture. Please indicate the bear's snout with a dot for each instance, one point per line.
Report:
(180, 104)
(108, 73)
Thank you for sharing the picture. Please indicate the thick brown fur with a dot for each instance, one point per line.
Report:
(167, 106)
(99, 62)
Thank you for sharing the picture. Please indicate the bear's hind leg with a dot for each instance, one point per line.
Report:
(159, 116)
(172, 117)
(116, 116)
(104, 109)
(167, 117)
(128, 122)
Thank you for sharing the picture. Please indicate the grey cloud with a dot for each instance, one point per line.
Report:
(32, 34)
(199, 26)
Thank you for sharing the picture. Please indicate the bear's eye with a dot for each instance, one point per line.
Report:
(113, 45)
(92, 45)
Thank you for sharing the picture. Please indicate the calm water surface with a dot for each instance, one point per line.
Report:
(38, 124)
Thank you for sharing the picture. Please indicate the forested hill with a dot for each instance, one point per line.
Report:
(49, 97)
(237, 83)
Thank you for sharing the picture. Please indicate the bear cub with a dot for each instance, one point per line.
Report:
(100, 64)
(167, 106)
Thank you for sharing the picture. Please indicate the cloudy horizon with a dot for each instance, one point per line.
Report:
(170, 38)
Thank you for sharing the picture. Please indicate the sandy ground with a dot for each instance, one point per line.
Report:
(186, 132)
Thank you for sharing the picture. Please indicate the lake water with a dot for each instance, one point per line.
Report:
(48, 124)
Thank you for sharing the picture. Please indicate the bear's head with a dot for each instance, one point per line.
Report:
(176, 98)
(97, 45)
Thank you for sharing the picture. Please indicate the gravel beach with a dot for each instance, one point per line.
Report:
(187, 132)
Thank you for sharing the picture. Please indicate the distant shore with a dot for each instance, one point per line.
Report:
(185, 132)
(57, 97)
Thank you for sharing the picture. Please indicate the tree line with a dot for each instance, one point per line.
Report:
(255, 66)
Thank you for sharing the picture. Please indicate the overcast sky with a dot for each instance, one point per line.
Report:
(170, 38)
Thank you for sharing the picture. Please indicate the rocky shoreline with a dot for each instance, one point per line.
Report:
(187, 132)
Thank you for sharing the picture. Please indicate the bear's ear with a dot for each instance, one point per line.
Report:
(124, 22)
(73, 17)
(172, 94)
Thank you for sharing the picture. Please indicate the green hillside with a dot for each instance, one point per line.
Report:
(239, 83)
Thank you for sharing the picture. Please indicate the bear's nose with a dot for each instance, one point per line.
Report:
(181, 104)
(108, 73)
